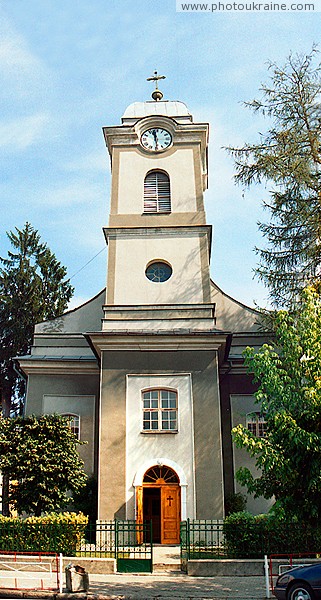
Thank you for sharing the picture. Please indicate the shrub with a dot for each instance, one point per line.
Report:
(235, 503)
(86, 500)
(242, 536)
(249, 536)
(54, 532)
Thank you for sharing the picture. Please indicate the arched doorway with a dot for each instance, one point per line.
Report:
(159, 501)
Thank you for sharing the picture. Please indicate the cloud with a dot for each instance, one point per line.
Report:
(70, 195)
(19, 134)
(24, 74)
(15, 55)
(96, 161)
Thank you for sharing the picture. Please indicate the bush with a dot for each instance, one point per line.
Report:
(86, 500)
(249, 536)
(242, 536)
(235, 503)
(54, 532)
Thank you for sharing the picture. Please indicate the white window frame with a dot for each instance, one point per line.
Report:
(256, 424)
(158, 411)
(74, 423)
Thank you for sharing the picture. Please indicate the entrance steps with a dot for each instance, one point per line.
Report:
(166, 559)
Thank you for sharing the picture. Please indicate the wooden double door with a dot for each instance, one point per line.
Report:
(160, 504)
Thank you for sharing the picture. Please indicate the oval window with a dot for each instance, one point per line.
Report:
(158, 272)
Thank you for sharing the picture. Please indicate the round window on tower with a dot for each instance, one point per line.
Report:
(158, 271)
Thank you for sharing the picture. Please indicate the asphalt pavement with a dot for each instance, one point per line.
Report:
(177, 587)
(166, 582)
(157, 587)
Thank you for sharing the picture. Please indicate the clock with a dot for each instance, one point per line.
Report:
(156, 139)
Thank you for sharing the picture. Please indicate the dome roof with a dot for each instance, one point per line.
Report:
(166, 108)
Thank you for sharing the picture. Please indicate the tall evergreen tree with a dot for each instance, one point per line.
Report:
(33, 288)
(288, 157)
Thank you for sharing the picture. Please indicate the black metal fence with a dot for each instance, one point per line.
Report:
(130, 543)
(201, 539)
(210, 539)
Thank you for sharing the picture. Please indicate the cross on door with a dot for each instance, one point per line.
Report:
(170, 500)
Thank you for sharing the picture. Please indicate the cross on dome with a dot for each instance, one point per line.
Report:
(157, 94)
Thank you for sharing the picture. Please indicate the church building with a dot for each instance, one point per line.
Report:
(150, 370)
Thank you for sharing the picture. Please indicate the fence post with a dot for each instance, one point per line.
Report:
(116, 538)
(60, 573)
(188, 538)
(267, 582)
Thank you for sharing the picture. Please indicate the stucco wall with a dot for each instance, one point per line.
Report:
(133, 253)
(241, 405)
(135, 164)
(175, 446)
(68, 394)
(232, 315)
(86, 317)
(84, 407)
(116, 366)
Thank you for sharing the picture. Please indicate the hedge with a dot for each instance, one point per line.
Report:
(54, 532)
(249, 536)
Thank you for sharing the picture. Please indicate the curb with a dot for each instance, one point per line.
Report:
(43, 595)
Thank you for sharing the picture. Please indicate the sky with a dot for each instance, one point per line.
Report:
(69, 68)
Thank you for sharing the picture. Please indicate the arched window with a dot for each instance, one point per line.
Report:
(74, 422)
(159, 410)
(160, 474)
(157, 194)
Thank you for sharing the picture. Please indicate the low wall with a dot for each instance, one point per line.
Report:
(225, 567)
(92, 565)
(242, 567)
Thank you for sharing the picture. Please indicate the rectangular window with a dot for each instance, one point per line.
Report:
(160, 410)
(256, 424)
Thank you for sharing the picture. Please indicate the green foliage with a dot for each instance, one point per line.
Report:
(33, 288)
(249, 536)
(235, 503)
(86, 499)
(289, 393)
(287, 158)
(40, 457)
(50, 533)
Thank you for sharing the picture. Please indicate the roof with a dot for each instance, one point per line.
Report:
(166, 108)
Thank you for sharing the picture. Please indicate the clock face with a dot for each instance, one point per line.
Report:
(156, 139)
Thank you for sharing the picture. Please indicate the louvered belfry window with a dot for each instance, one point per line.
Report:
(157, 194)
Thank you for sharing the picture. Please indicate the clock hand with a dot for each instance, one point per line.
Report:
(155, 138)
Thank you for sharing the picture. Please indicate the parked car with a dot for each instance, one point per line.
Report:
(300, 583)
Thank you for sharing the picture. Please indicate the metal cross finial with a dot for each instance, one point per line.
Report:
(157, 94)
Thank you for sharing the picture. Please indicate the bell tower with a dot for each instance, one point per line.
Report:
(158, 346)
(159, 243)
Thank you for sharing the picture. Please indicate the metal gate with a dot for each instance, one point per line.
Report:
(134, 547)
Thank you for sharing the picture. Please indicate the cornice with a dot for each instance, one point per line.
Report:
(187, 134)
(129, 135)
(157, 341)
(34, 366)
(170, 230)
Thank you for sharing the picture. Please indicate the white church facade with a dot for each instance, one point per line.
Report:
(151, 368)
